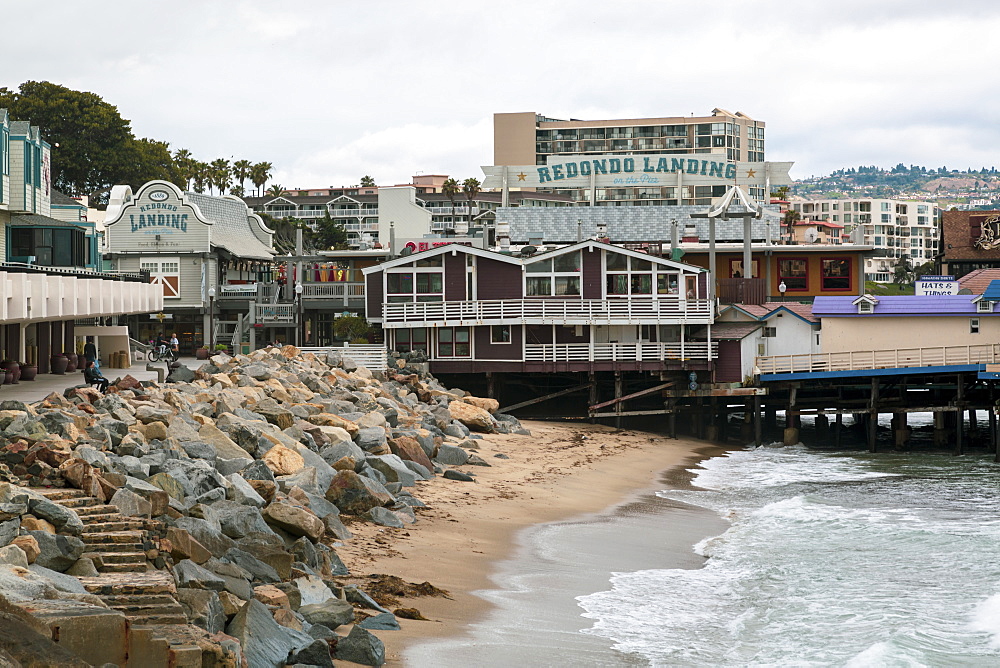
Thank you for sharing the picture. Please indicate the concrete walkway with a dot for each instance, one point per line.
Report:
(30, 391)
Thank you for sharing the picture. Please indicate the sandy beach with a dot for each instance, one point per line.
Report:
(595, 482)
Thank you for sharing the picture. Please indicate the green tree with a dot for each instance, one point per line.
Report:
(96, 147)
(259, 175)
(471, 187)
(220, 175)
(902, 273)
(451, 188)
(780, 193)
(367, 182)
(151, 160)
(241, 172)
(200, 175)
(330, 234)
(275, 191)
(351, 327)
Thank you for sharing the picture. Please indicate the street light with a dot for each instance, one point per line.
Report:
(211, 319)
(298, 323)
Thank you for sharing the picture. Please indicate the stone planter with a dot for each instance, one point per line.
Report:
(59, 364)
(29, 371)
(201, 353)
(74, 362)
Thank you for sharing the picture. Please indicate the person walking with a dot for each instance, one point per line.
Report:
(90, 350)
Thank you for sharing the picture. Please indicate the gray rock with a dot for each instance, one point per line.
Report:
(321, 632)
(237, 580)
(355, 595)
(370, 438)
(58, 552)
(265, 643)
(62, 582)
(188, 574)
(385, 517)
(451, 455)
(243, 521)
(383, 622)
(149, 414)
(312, 590)
(362, 647)
(418, 469)
(257, 471)
(202, 531)
(131, 504)
(316, 653)
(203, 608)
(258, 570)
(9, 530)
(476, 460)
(65, 520)
(331, 613)
(12, 555)
(452, 474)
(241, 492)
(181, 374)
(393, 468)
(227, 467)
(200, 450)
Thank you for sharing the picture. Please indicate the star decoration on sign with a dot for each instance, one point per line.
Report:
(521, 176)
(751, 173)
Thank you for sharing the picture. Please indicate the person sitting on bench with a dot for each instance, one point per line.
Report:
(93, 377)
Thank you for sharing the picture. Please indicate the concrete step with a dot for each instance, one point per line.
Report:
(86, 512)
(105, 527)
(127, 584)
(105, 537)
(123, 557)
(105, 517)
(59, 493)
(114, 548)
(123, 568)
(77, 502)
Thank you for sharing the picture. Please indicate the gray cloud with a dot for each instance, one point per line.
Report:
(330, 91)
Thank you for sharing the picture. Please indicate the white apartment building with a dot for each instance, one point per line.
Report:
(896, 228)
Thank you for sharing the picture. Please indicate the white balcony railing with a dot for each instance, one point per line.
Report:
(860, 360)
(333, 290)
(619, 352)
(269, 313)
(319, 213)
(556, 311)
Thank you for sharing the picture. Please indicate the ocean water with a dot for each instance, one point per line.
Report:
(829, 559)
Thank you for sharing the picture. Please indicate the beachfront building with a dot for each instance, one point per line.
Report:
(668, 151)
(897, 322)
(195, 248)
(585, 307)
(48, 282)
(895, 228)
(748, 331)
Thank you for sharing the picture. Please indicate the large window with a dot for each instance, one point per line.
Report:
(408, 340)
(794, 273)
(454, 342)
(66, 247)
(836, 274)
(627, 276)
(410, 286)
(559, 276)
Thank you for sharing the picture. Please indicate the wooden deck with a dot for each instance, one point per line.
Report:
(863, 360)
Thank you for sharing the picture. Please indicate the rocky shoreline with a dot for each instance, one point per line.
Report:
(198, 520)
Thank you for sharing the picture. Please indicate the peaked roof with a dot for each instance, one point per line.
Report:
(977, 281)
(727, 331)
(769, 309)
(992, 292)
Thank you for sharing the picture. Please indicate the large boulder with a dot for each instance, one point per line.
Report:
(203, 608)
(296, 520)
(283, 461)
(355, 495)
(331, 613)
(131, 504)
(57, 552)
(362, 647)
(489, 405)
(473, 417)
(451, 455)
(190, 575)
(407, 448)
(265, 643)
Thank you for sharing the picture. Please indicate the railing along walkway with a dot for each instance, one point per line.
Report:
(619, 352)
(373, 357)
(583, 310)
(861, 360)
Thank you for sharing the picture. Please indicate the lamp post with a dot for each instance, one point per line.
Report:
(298, 321)
(781, 288)
(211, 319)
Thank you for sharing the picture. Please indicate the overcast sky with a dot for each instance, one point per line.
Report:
(329, 91)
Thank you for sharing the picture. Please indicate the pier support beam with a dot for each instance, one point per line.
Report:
(619, 391)
(940, 430)
(758, 436)
(593, 397)
(838, 429)
(873, 417)
(960, 419)
(901, 431)
(791, 435)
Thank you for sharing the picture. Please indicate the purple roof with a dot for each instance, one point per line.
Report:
(898, 305)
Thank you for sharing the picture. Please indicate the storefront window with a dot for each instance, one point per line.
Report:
(794, 273)
(836, 274)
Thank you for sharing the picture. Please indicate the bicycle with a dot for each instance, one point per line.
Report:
(161, 354)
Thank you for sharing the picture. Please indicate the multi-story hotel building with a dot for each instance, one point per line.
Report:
(528, 138)
(895, 228)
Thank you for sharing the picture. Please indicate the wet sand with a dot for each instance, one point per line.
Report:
(573, 503)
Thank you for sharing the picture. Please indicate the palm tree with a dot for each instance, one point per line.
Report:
(184, 163)
(450, 188)
(367, 182)
(200, 174)
(471, 187)
(260, 173)
(220, 175)
(237, 190)
(241, 171)
(275, 191)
